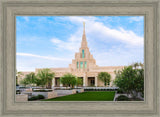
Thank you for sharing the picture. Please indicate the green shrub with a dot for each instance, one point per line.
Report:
(142, 94)
(18, 92)
(36, 97)
(40, 97)
(120, 91)
(33, 98)
(122, 98)
(43, 90)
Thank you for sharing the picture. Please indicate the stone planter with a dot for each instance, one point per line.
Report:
(80, 90)
(73, 91)
(29, 90)
(65, 92)
(47, 95)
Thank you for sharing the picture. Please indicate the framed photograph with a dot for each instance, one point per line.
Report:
(79, 58)
(88, 56)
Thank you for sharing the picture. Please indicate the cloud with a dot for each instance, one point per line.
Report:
(96, 31)
(71, 44)
(29, 62)
(119, 56)
(136, 18)
(26, 18)
(42, 57)
(129, 47)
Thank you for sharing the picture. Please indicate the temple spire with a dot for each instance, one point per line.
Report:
(84, 41)
(83, 27)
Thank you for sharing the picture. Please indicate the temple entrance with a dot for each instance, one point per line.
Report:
(57, 82)
(91, 81)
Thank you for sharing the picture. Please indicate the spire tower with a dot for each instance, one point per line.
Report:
(84, 41)
(83, 59)
(83, 27)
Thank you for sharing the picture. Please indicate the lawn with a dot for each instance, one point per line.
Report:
(86, 96)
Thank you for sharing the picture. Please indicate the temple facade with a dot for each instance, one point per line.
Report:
(84, 66)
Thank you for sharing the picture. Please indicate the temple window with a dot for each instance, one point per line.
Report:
(77, 64)
(82, 53)
(81, 65)
(85, 64)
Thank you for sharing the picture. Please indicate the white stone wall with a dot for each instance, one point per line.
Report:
(80, 90)
(65, 92)
(52, 94)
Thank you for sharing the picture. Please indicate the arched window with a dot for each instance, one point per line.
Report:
(81, 65)
(77, 64)
(82, 53)
(85, 64)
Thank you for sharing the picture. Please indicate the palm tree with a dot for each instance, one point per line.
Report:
(105, 77)
(141, 64)
(45, 76)
(135, 65)
(24, 82)
(29, 79)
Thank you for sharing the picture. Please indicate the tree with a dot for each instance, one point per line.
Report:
(130, 79)
(44, 78)
(105, 77)
(24, 82)
(79, 81)
(29, 79)
(18, 77)
(68, 80)
(135, 65)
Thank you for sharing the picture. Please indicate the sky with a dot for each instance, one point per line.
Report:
(51, 41)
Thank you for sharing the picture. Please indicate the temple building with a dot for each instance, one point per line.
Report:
(84, 66)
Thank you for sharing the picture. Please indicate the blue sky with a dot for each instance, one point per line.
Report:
(51, 41)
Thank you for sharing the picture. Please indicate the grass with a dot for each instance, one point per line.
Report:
(86, 96)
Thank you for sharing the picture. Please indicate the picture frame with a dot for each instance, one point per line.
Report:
(10, 9)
